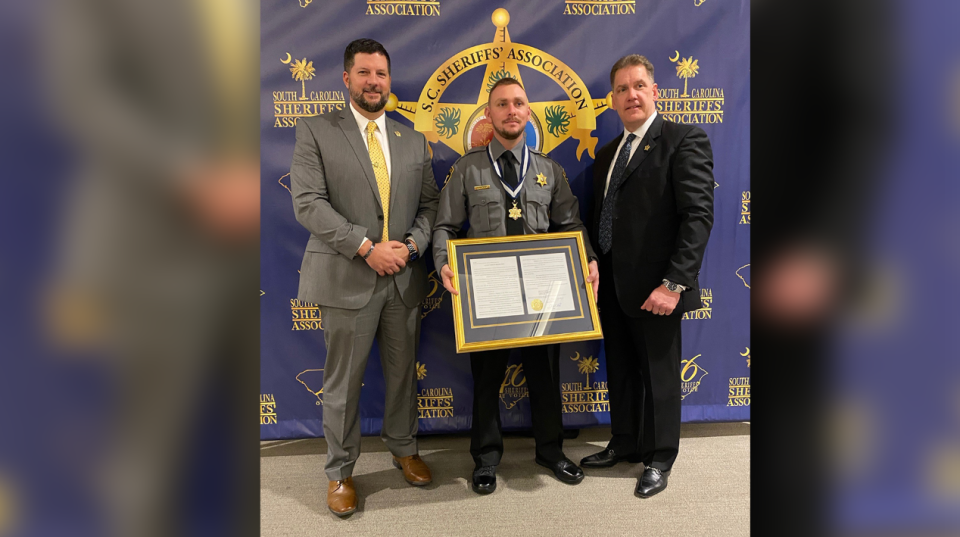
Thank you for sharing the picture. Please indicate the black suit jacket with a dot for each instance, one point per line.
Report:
(663, 213)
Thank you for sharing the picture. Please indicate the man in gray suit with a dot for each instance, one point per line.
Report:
(506, 188)
(363, 186)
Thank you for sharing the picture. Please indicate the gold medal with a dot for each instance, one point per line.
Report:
(515, 213)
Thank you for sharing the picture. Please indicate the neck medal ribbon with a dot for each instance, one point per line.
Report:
(514, 192)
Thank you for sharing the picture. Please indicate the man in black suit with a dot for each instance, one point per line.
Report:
(651, 217)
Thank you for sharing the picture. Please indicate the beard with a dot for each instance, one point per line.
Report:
(508, 135)
(373, 108)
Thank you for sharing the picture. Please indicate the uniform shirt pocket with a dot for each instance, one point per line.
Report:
(538, 210)
(485, 210)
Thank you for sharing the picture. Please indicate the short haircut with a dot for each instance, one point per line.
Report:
(363, 46)
(631, 60)
(505, 81)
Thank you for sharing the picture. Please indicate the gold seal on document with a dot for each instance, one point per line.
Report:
(537, 304)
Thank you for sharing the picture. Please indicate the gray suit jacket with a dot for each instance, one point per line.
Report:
(473, 192)
(335, 196)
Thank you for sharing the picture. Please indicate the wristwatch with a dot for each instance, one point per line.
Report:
(412, 249)
(370, 251)
(673, 287)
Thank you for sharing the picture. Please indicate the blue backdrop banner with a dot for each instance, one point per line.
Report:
(445, 55)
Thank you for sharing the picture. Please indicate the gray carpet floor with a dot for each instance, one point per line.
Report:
(708, 492)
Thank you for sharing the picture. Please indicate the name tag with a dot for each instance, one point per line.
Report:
(481, 187)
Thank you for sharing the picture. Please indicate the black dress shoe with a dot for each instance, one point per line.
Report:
(485, 479)
(652, 481)
(607, 458)
(565, 470)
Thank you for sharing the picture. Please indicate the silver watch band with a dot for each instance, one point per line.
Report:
(680, 287)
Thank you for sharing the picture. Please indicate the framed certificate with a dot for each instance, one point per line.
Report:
(521, 290)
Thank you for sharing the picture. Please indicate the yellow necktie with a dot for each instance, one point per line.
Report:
(380, 170)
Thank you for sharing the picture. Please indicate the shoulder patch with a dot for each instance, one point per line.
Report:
(450, 173)
(447, 180)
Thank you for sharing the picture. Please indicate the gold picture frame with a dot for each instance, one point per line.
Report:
(580, 323)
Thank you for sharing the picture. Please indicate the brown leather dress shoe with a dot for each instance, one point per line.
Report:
(415, 471)
(342, 497)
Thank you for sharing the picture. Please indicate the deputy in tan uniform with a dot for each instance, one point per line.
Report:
(506, 188)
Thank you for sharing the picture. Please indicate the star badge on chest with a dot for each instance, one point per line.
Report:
(541, 179)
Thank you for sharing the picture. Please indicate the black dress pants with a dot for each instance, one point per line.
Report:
(643, 376)
(541, 369)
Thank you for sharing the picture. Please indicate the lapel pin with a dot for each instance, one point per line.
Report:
(397, 133)
(646, 147)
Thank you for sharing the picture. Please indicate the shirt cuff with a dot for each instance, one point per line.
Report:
(361, 245)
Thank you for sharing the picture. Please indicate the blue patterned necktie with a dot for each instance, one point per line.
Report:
(606, 211)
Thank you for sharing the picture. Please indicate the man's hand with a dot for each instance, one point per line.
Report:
(384, 259)
(661, 301)
(447, 275)
(594, 277)
(402, 251)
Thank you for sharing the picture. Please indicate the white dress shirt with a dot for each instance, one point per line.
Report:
(633, 148)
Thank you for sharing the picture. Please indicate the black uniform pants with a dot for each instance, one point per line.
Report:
(541, 369)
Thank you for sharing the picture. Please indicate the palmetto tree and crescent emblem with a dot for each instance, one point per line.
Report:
(462, 126)
(301, 71)
(687, 69)
(586, 366)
